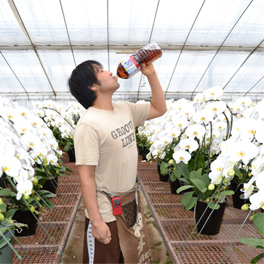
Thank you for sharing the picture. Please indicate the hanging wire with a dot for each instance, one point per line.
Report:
(249, 55)
(68, 34)
(209, 64)
(254, 85)
(183, 46)
(15, 74)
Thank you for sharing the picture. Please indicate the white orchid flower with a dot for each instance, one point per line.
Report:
(220, 125)
(216, 108)
(39, 154)
(203, 117)
(248, 189)
(189, 144)
(195, 130)
(52, 159)
(22, 126)
(257, 165)
(259, 131)
(181, 155)
(257, 200)
(243, 150)
(217, 168)
(10, 165)
(249, 128)
(31, 141)
(199, 98)
(24, 187)
(213, 93)
(188, 111)
(244, 101)
(180, 123)
(37, 104)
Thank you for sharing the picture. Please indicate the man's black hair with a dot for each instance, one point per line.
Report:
(83, 77)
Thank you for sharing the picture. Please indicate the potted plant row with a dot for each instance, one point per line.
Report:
(208, 144)
(30, 156)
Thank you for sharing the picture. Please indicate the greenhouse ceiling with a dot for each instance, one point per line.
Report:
(205, 43)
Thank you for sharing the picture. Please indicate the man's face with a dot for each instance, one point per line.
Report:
(107, 80)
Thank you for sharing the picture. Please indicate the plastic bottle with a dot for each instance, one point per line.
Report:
(131, 65)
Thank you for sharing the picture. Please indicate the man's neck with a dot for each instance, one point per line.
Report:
(103, 105)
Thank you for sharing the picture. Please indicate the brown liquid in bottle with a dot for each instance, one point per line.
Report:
(144, 55)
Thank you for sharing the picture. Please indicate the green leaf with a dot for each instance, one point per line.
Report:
(186, 198)
(192, 203)
(183, 168)
(224, 193)
(213, 205)
(199, 184)
(205, 178)
(238, 172)
(164, 168)
(182, 188)
(253, 242)
(257, 258)
(10, 213)
(7, 192)
(3, 207)
(175, 175)
(259, 222)
(68, 147)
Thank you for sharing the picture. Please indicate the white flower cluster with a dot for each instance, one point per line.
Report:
(58, 115)
(24, 140)
(209, 118)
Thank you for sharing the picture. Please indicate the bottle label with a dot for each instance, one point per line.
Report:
(131, 65)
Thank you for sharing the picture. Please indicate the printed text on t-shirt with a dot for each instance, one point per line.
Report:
(122, 131)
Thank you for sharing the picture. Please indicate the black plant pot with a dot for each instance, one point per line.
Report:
(237, 201)
(214, 220)
(26, 217)
(163, 178)
(3, 182)
(71, 155)
(144, 151)
(51, 185)
(174, 185)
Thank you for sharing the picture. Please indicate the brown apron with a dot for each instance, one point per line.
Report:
(132, 231)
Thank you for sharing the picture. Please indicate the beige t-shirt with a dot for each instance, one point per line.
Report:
(107, 140)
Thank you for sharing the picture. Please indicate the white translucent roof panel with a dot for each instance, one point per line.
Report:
(174, 20)
(28, 70)
(190, 67)
(86, 21)
(249, 31)
(205, 43)
(131, 21)
(248, 75)
(8, 81)
(10, 31)
(58, 64)
(215, 21)
(43, 20)
(221, 69)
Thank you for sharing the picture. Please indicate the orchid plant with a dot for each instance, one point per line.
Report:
(207, 143)
(25, 143)
(61, 119)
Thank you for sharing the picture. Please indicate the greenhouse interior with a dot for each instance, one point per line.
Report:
(198, 172)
